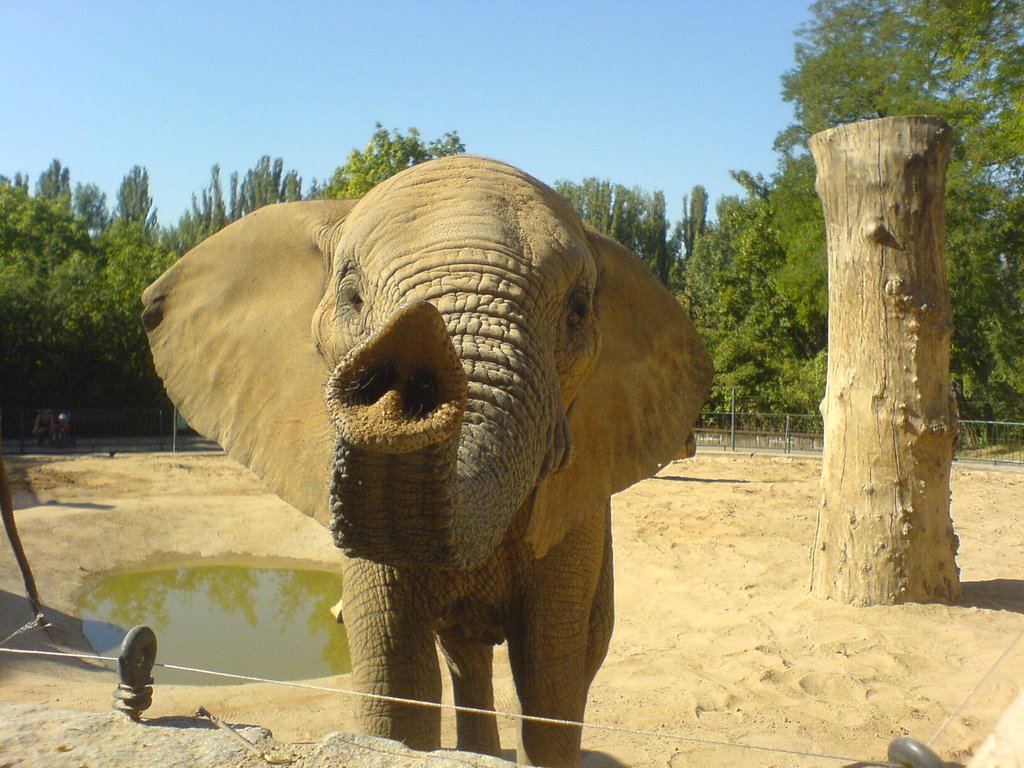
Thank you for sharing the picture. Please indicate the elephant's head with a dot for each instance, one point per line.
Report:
(481, 353)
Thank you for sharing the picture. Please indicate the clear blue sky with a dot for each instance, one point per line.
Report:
(663, 95)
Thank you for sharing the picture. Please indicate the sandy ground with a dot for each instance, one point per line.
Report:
(716, 638)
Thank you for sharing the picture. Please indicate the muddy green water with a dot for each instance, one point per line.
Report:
(270, 622)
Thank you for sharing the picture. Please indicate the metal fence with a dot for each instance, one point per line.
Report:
(98, 430)
(998, 442)
(787, 432)
(994, 441)
(152, 429)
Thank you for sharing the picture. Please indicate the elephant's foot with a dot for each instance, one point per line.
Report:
(554, 746)
(478, 733)
(414, 726)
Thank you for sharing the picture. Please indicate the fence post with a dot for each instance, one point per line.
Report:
(174, 430)
(788, 449)
(732, 420)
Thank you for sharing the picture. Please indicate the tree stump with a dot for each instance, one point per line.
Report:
(884, 531)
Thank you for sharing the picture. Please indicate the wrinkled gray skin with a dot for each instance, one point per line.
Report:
(488, 391)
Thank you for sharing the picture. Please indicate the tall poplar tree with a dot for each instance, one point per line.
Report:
(55, 182)
(134, 203)
(634, 217)
(264, 184)
(695, 218)
(90, 203)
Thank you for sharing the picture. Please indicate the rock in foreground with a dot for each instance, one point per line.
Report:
(35, 735)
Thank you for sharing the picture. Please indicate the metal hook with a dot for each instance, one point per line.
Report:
(911, 753)
(905, 752)
(134, 695)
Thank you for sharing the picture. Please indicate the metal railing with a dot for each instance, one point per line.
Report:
(153, 429)
(997, 442)
(787, 432)
(98, 430)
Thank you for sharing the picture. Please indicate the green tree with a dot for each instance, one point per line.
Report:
(634, 217)
(803, 279)
(38, 232)
(20, 180)
(210, 208)
(54, 183)
(695, 218)
(264, 184)
(385, 155)
(733, 289)
(315, 190)
(90, 204)
(39, 238)
(70, 300)
(131, 259)
(134, 203)
(963, 61)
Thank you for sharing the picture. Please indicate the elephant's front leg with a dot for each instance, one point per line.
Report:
(393, 653)
(471, 663)
(560, 640)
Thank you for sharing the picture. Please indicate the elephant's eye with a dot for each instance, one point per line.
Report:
(350, 294)
(578, 309)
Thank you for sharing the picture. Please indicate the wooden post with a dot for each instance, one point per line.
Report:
(884, 531)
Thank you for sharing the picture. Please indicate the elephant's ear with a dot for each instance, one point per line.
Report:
(636, 411)
(230, 330)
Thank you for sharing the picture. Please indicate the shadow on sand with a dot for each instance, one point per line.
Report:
(599, 760)
(706, 480)
(994, 594)
(64, 634)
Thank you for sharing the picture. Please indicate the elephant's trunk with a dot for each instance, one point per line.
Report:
(402, 389)
(413, 484)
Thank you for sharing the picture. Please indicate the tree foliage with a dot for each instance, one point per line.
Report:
(385, 155)
(264, 184)
(89, 203)
(756, 279)
(736, 287)
(54, 183)
(963, 61)
(634, 217)
(694, 222)
(72, 273)
(70, 282)
(134, 203)
(960, 59)
(753, 277)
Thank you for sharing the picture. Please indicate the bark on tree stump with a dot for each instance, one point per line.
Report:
(884, 530)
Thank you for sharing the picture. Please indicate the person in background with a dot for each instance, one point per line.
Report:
(43, 427)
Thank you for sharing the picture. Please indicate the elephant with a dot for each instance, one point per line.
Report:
(454, 375)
